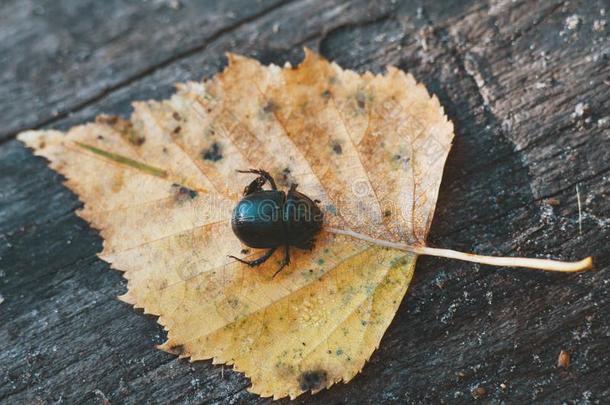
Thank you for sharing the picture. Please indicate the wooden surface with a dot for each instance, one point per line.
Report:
(527, 85)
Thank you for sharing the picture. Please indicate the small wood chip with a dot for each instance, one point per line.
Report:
(563, 361)
(479, 392)
(552, 201)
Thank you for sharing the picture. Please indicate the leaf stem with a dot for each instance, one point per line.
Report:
(540, 264)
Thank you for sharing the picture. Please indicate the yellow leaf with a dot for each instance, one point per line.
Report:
(161, 187)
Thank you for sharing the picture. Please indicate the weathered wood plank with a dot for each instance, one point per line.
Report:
(461, 326)
(60, 56)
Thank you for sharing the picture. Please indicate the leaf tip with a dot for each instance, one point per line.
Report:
(27, 136)
(127, 298)
(37, 140)
(175, 349)
(311, 56)
(232, 57)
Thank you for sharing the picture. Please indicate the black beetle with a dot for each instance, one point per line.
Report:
(268, 219)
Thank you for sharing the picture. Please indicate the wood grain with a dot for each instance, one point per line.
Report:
(529, 98)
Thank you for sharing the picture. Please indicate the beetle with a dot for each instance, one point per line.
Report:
(269, 219)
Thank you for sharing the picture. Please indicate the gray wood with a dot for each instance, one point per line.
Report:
(510, 75)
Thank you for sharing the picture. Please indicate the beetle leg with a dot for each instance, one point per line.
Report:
(263, 175)
(293, 186)
(310, 244)
(286, 260)
(255, 186)
(256, 262)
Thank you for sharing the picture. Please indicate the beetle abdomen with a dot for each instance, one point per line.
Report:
(302, 218)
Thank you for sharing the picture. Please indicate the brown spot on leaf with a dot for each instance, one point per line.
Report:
(270, 107)
(176, 116)
(182, 193)
(361, 100)
(233, 302)
(109, 120)
(123, 127)
(209, 131)
(337, 148)
(213, 153)
(177, 130)
(313, 380)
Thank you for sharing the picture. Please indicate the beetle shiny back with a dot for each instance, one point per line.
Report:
(268, 219)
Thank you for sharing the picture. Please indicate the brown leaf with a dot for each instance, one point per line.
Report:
(160, 188)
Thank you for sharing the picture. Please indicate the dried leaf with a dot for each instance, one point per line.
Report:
(160, 188)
